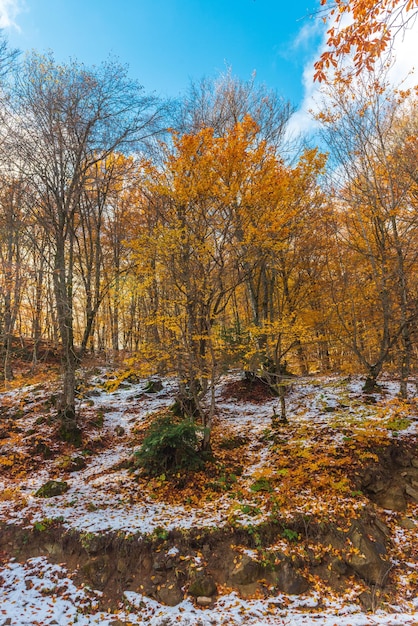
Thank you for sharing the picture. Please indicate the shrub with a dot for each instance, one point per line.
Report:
(169, 445)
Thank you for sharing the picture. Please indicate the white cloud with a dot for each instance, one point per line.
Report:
(9, 10)
(401, 73)
(405, 53)
(311, 29)
(302, 121)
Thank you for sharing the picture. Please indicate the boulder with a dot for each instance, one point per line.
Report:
(287, 579)
(367, 560)
(204, 601)
(412, 493)
(170, 594)
(392, 499)
(338, 567)
(246, 571)
(52, 488)
(203, 585)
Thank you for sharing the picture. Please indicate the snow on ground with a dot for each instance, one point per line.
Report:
(94, 502)
(40, 594)
(104, 497)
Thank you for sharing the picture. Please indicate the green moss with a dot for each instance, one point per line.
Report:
(52, 488)
(400, 423)
(262, 484)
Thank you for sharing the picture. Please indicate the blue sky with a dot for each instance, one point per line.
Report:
(167, 43)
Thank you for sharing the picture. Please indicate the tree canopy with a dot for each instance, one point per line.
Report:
(362, 30)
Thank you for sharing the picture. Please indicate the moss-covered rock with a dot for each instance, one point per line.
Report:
(72, 463)
(52, 488)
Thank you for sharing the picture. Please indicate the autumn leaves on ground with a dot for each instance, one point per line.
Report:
(324, 506)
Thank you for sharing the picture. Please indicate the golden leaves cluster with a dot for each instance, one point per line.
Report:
(367, 36)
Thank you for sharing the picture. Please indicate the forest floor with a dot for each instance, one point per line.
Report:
(313, 521)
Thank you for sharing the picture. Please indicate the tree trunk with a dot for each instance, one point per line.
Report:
(406, 350)
(69, 429)
(370, 383)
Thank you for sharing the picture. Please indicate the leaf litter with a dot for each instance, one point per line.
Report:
(329, 422)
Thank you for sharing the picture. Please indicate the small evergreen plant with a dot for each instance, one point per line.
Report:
(169, 445)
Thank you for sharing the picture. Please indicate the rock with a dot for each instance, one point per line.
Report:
(407, 523)
(77, 463)
(98, 571)
(410, 473)
(55, 550)
(170, 595)
(381, 528)
(153, 386)
(392, 499)
(338, 567)
(412, 493)
(204, 601)
(374, 481)
(367, 562)
(162, 562)
(248, 591)
(246, 571)
(366, 558)
(52, 488)
(72, 463)
(367, 601)
(203, 585)
(286, 579)
(159, 579)
(42, 448)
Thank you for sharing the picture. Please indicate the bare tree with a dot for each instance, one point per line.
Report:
(12, 275)
(222, 103)
(62, 120)
(373, 216)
